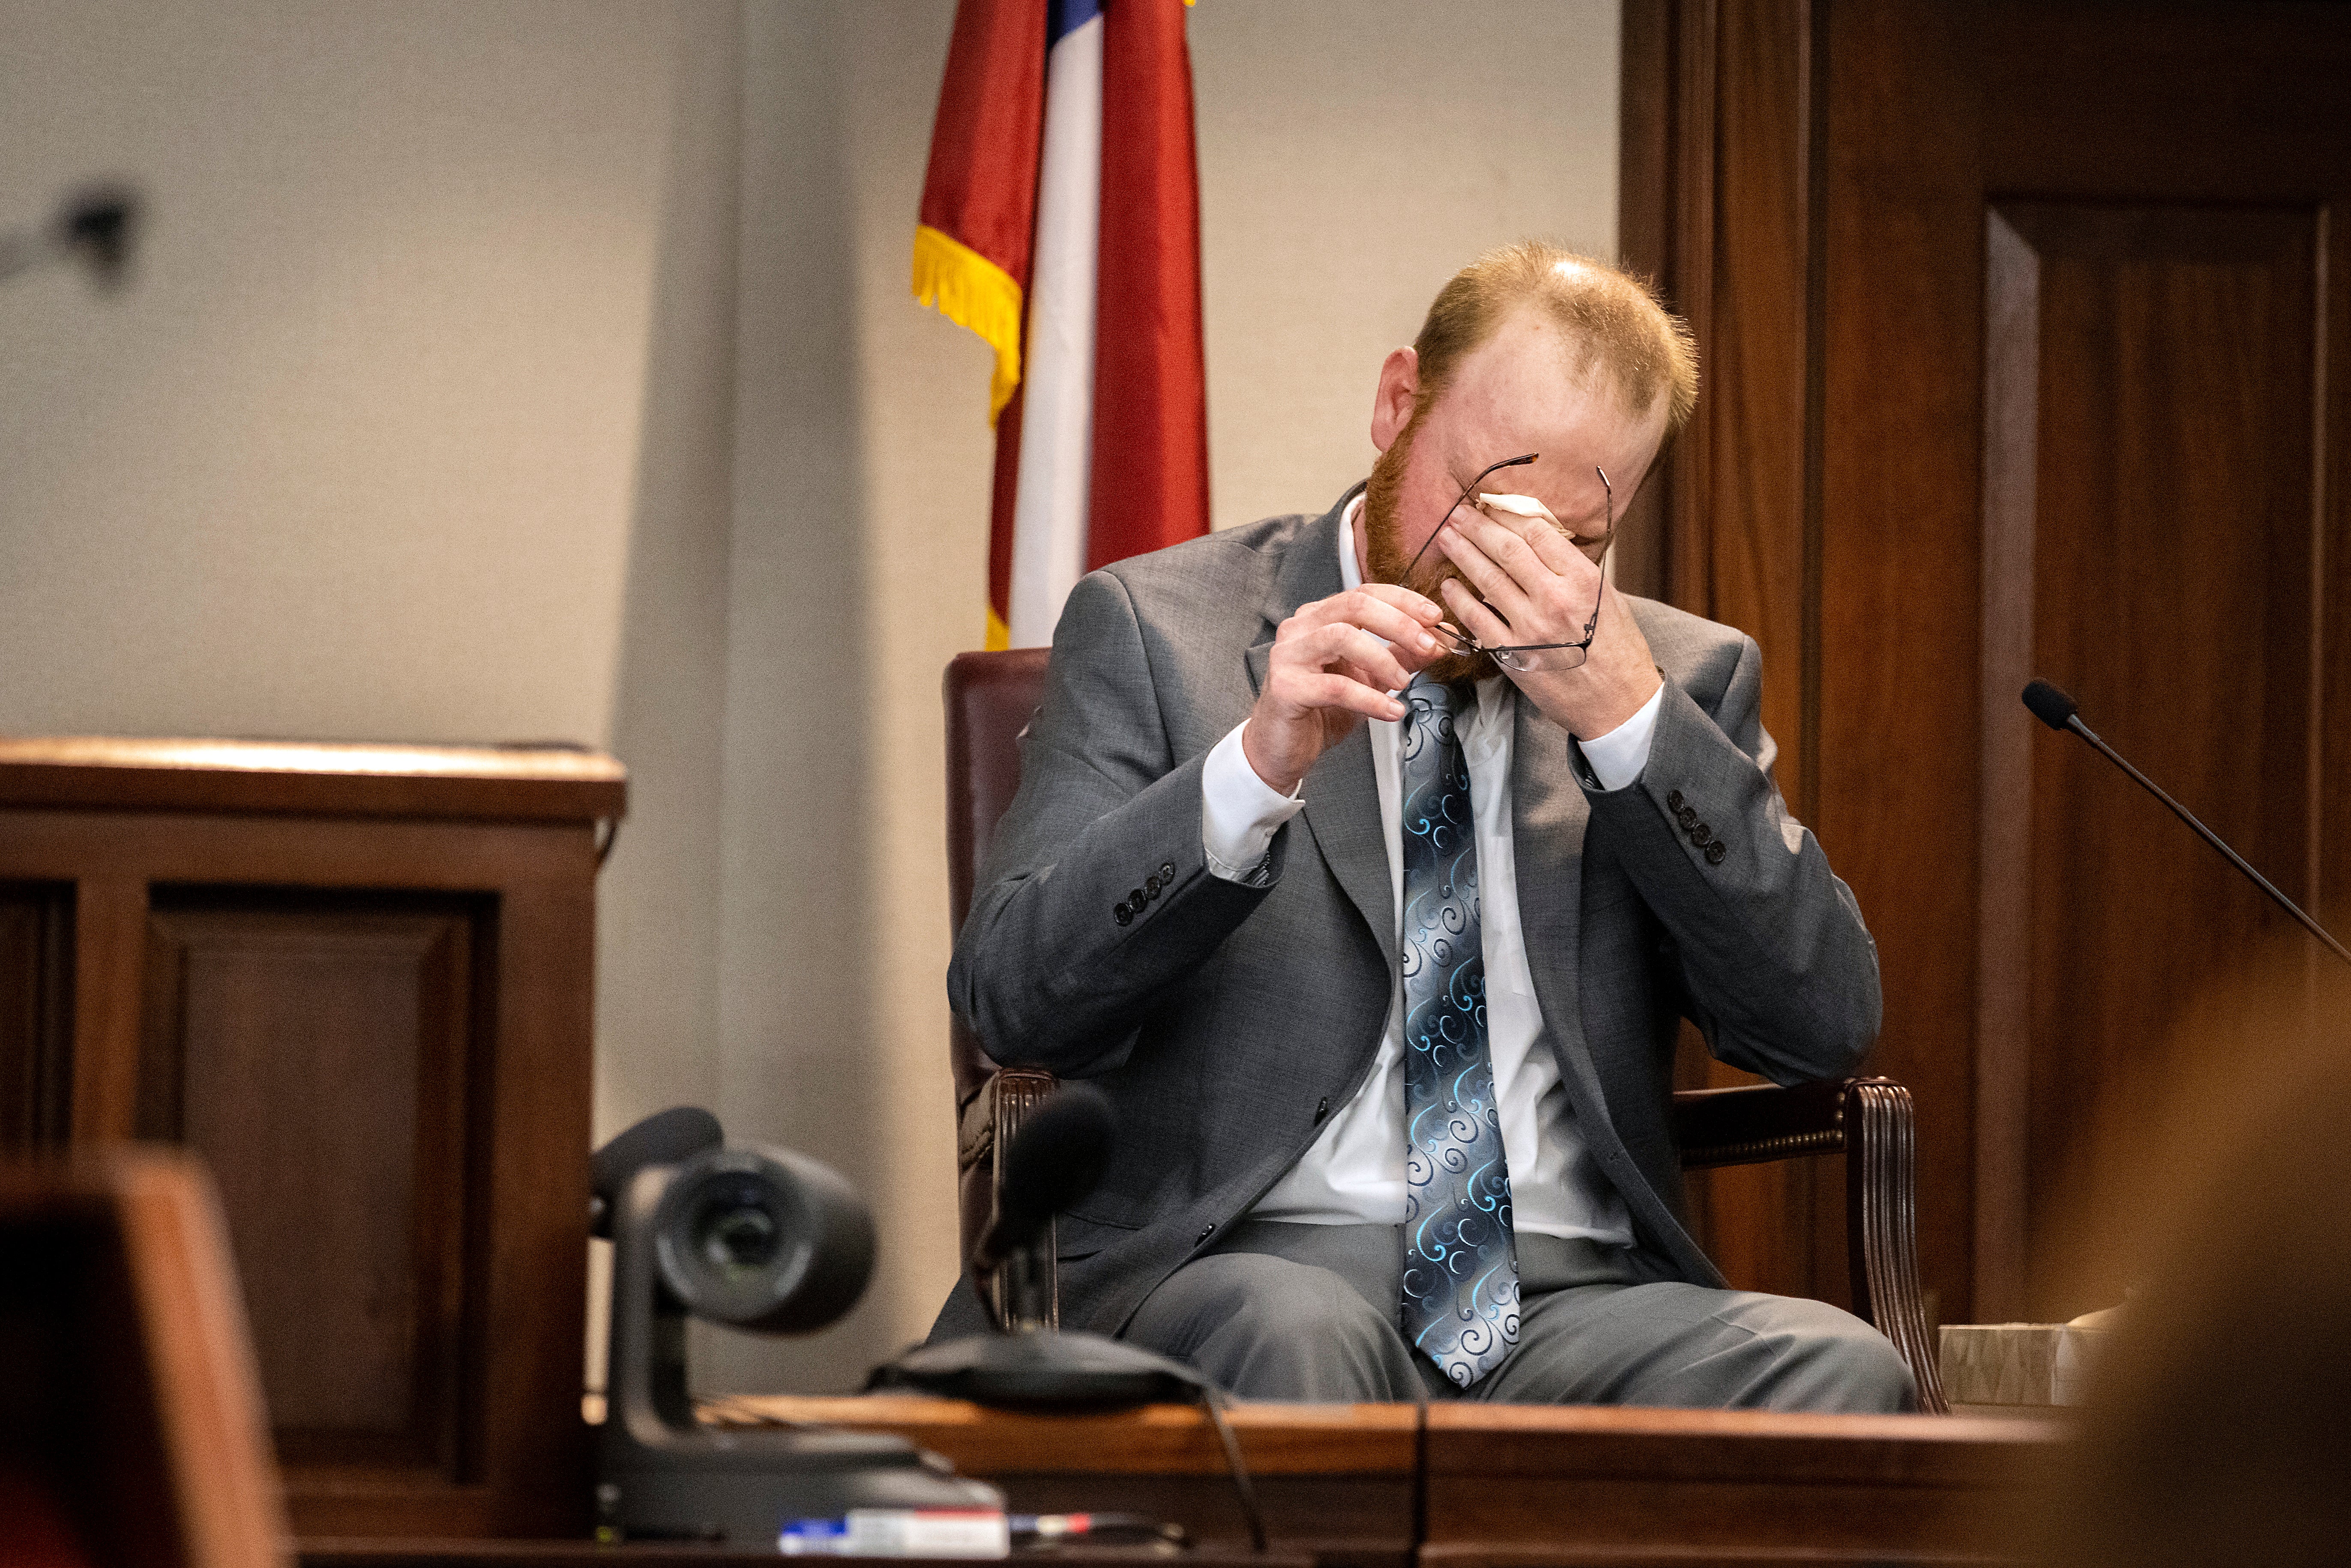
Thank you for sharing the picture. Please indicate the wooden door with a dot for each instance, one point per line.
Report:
(2025, 328)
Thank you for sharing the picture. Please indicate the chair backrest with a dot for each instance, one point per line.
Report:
(989, 698)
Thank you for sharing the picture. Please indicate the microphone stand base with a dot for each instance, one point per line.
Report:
(1043, 1370)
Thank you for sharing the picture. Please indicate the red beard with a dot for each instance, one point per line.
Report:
(1384, 549)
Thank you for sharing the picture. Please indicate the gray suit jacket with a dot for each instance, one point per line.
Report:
(1225, 1021)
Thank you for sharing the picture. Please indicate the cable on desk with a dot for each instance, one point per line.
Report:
(1213, 1403)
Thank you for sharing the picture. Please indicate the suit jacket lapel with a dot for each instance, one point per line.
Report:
(1548, 816)
(1342, 798)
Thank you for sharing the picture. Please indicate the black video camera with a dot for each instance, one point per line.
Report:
(756, 1238)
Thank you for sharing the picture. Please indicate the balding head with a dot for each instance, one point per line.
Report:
(1614, 332)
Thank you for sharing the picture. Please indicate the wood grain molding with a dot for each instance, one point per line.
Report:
(109, 934)
(2003, 894)
(1336, 1481)
(520, 782)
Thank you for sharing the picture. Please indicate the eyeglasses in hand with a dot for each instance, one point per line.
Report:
(1520, 656)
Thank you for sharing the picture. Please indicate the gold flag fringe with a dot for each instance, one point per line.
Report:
(972, 291)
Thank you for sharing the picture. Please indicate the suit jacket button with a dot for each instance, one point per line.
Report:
(1151, 885)
(1137, 898)
(1701, 835)
(1211, 1230)
(1686, 816)
(1673, 800)
(1715, 853)
(1125, 915)
(1321, 1109)
(1167, 872)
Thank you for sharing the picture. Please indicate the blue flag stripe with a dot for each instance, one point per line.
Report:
(1063, 18)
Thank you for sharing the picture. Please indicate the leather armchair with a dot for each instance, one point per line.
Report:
(1867, 1121)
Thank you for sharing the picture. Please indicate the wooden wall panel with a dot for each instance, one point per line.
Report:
(1757, 571)
(2172, 532)
(315, 1051)
(36, 1015)
(1721, 138)
(2070, 333)
(1897, 735)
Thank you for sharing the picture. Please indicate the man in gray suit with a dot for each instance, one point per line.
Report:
(1367, 862)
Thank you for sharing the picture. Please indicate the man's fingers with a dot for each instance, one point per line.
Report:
(1398, 614)
(1477, 620)
(1342, 643)
(1417, 605)
(1496, 586)
(1329, 691)
(1506, 547)
(1543, 536)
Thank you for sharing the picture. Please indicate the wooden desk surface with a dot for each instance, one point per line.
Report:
(1521, 1486)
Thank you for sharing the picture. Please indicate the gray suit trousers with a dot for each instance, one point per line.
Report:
(1309, 1313)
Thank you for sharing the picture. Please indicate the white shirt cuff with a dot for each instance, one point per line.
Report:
(1239, 812)
(1618, 756)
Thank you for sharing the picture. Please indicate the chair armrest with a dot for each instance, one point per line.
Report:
(1758, 1123)
(996, 1111)
(1870, 1121)
(988, 1122)
(1882, 1227)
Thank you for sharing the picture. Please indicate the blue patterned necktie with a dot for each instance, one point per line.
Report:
(1461, 1263)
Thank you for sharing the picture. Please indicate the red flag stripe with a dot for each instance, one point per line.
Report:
(1150, 480)
(981, 188)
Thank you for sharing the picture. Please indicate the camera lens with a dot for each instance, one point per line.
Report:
(763, 1238)
(735, 1235)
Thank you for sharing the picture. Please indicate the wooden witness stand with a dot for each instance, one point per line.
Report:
(1394, 1485)
(1380, 1486)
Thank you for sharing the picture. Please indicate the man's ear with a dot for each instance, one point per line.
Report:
(1391, 404)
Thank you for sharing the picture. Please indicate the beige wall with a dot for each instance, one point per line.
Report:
(1353, 155)
(355, 457)
(513, 370)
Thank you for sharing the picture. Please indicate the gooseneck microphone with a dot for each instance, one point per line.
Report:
(2058, 711)
(1051, 1163)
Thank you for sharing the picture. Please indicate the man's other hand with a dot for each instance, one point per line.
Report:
(1333, 664)
(1544, 581)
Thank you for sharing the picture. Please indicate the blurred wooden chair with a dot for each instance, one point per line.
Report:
(1868, 1121)
(132, 1432)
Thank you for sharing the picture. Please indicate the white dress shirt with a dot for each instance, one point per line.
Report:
(1353, 1174)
